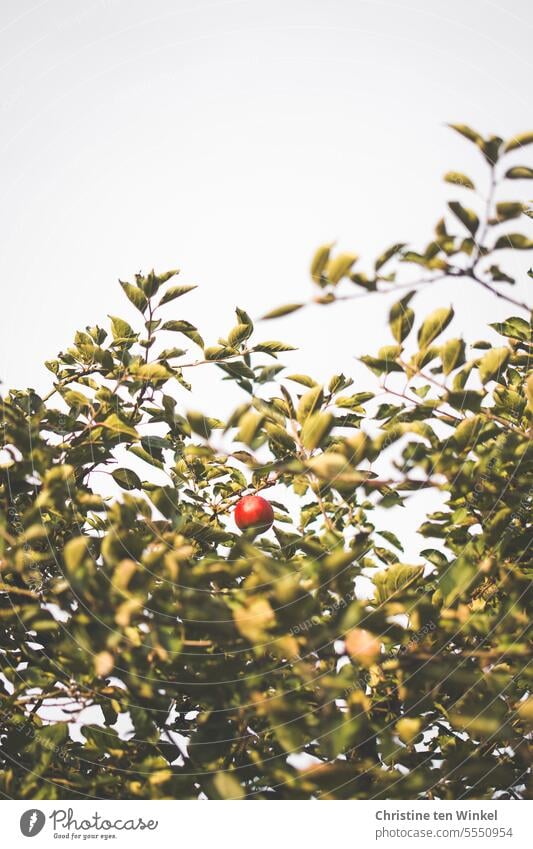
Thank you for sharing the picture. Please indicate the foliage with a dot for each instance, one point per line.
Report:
(230, 654)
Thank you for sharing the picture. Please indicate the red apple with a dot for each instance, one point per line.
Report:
(252, 511)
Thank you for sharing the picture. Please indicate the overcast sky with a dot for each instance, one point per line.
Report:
(230, 139)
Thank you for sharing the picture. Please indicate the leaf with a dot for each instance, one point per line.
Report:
(466, 216)
(353, 402)
(75, 552)
(388, 254)
(519, 172)
(142, 454)
(518, 141)
(401, 318)
(467, 431)
(186, 328)
(452, 354)
(238, 334)
(328, 465)
(121, 330)
(506, 210)
(434, 324)
(392, 538)
(114, 424)
(304, 379)
(514, 328)
(459, 179)
(309, 403)
(135, 295)
(319, 262)
(254, 619)
(152, 372)
(467, 132)
(395, 580)
(457, 578)
(529, 392)
(199, 424)
(273, 347)
(280, 311)
(517, 241)
(340, 266)
(227, 786)
(316, 428)
(467, 399)
(175, 292)
(492, 363)
(126, 479)
(249, 426)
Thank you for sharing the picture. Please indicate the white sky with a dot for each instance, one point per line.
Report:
(230, 139)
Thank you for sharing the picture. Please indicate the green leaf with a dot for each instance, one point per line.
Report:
(467, 431)
(186, 328)
(468, 133)
(135, 295)
(273, 347)
(395, 580)
(519, 172)
(114, 424)
(309, 403)
(388, 254)
(517, 241)
(227, 786)
(514, 328)
(238, 334)
(199, 424)
(492, 364)
(468, 399)
(121, 330)
(316, 428)
(521, 140)
(352, 402)
(304, 379)
(75, 552)
(126, 479)
(466, 216)
(457, 577)
(401, 318)
(146, 456)
(319, 262)
(459, 179)
(280, 311)
(434, 324)
(249, 426)
(340, 266)
(392, 538)
(452, 354)
(152, 372)
(175, 292)
(506, 210)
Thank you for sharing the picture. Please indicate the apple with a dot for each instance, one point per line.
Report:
(362, 646)
(252, 511)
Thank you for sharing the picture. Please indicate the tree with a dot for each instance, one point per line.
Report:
(253, 647)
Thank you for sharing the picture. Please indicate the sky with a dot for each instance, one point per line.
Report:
(230, 139)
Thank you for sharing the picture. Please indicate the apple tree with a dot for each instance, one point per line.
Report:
(151, 648)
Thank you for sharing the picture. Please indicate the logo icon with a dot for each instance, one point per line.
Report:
(32, 822)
